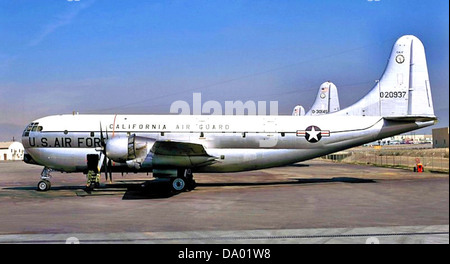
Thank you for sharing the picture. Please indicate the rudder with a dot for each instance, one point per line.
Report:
(420, 100)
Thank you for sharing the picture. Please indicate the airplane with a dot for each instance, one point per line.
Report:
(327, 101)
(174, 147)
(298, 111)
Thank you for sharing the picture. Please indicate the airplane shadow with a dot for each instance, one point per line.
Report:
(152, 189)
(137, 189)
(292, 182)
(54, 188)
(156, 189)
(297, 165)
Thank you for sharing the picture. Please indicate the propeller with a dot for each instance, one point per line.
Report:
(106, 162)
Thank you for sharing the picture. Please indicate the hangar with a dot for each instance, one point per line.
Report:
(11, 150)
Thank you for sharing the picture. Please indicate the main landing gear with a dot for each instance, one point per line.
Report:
(44, 184)
(184, 182)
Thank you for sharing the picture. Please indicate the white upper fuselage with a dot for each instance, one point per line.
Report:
(239, 142)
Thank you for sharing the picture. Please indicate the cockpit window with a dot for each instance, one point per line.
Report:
(32, 127)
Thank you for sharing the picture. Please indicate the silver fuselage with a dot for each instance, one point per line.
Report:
(238, 143)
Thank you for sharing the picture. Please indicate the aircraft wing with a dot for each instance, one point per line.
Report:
(180, 154)
(409, 118)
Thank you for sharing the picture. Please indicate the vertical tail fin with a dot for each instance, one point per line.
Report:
(404, 88)
(298, 111)
(327, 100)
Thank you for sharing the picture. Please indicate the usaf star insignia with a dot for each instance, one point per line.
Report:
(313, 134)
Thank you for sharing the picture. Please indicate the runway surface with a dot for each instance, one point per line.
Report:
(311, 202)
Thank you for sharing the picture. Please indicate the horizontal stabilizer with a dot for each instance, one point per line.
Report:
(411, 118)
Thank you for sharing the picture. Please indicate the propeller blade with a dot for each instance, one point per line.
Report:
(110, 170)
(103, 143)
(105, 165)
(100, 161)
(101, 136)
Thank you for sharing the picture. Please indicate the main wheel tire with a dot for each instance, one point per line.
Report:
(43, 186)
(178, 184)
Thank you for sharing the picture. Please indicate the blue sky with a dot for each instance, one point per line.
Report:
(103, 56)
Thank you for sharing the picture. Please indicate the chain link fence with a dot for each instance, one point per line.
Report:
(437, 161)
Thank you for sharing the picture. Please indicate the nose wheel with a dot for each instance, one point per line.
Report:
(44, 185)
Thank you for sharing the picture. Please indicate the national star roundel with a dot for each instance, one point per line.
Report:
(313, 133)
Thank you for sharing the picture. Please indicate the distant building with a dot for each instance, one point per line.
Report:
(409, 138)
(412, 138)
(440, 137)
(11, 151)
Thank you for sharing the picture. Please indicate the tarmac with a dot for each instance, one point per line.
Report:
(311, 202)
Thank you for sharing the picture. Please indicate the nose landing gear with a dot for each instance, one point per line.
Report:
(44, 184)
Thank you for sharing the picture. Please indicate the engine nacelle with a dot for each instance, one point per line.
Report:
(117, 149)
(122, 149)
